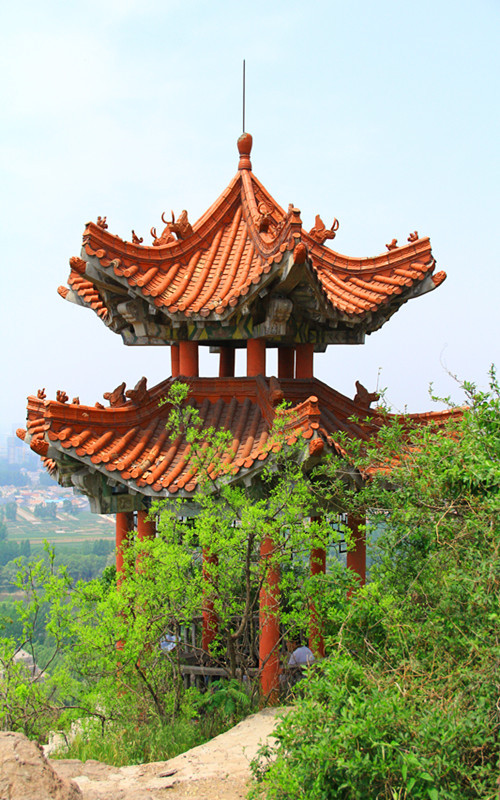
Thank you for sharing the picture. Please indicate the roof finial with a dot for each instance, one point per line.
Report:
(244, 149)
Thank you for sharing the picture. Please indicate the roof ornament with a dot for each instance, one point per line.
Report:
(77, 264)
(413, 237)
(101, 223)
(265, 219)
(39, 446)
(363, 397)
(136, 239)
(393, 245)
(117, 397)
(139, 393)
(41, 394)
(320, 233)
(295, 220)
(75, 401)
(165, 238)
(61, 396)
(245, 148)
(181, 227)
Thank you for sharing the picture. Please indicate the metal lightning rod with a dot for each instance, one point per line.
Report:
(243, 95)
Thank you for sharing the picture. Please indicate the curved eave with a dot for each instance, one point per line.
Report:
(129, 446)
(227, 260)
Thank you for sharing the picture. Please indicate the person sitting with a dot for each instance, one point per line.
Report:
(298, 659)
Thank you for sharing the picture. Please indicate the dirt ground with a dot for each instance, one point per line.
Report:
(216, 770)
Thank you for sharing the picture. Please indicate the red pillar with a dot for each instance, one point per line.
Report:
(269, 623)
(188, 359)
(304, 355)
(226, 362)
(256, 357)
(356, 558)
(174, 359)
(210, 623)
(286, 362)
(146, 528)
(124, 524)
(318, 567)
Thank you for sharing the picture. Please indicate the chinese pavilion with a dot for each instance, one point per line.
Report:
(245, 275)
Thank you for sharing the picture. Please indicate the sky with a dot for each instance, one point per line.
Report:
(384, 115)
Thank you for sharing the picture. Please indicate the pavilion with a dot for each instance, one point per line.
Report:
(245, 275)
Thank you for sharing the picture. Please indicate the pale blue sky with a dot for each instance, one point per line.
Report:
(385, 115)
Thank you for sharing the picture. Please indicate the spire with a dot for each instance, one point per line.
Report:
(244, 149)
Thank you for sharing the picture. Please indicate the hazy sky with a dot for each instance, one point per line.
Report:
(384, 115)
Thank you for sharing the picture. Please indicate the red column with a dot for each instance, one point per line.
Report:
(318, 567)
(226, 362)
(256, 357)
(146, 528)
(124, 524)
(269, 623)
(210, 623)
(188, 359)
(304, 355)
(174, 359)
(356, 558)
(286, 362)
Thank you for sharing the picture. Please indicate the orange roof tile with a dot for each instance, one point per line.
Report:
(242, 244)
(129, 443)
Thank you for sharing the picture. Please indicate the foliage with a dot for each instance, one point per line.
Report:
(407, 704)
(131, 741)
(45, 510)
(11, 511)
(107, 638)
(10, 550)
(30, 694)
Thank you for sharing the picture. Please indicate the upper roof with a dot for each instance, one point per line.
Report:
(128, 446)
(245, 258)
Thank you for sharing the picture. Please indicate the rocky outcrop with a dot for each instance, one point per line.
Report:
(25, 773)
(218, 769)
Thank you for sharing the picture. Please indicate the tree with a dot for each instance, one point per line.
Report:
(407, 704)
(110, 635)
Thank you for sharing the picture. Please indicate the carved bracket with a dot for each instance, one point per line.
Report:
(278, 314)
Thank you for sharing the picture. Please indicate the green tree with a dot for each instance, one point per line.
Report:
(110, 635)
(407, 704)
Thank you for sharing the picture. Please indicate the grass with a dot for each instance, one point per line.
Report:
(141, 744)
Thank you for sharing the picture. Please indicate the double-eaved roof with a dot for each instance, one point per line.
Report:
(245, 268)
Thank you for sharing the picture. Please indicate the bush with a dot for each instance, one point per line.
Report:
(407, 706)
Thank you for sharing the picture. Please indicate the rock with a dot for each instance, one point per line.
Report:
(25, 773)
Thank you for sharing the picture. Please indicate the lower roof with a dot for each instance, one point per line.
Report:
(128, 444)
